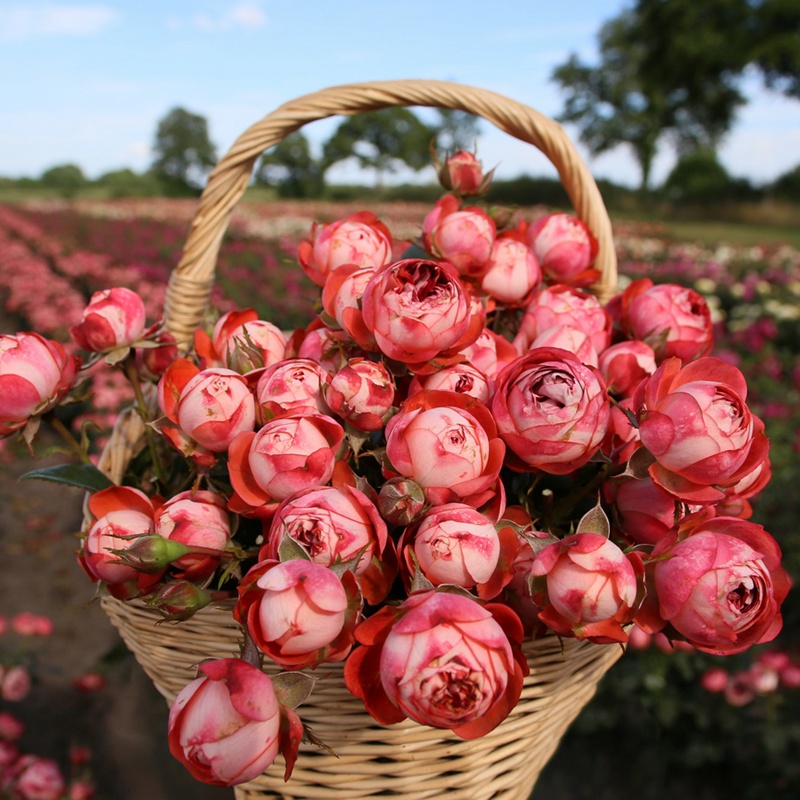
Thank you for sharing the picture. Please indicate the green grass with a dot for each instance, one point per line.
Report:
(737, 233)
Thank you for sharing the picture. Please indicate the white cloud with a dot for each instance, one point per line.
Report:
(247, 14)
(20, 22)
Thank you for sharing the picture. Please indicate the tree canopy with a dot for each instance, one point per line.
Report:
(291, 168)
(673, 68)
(381, 140)
(184, 153)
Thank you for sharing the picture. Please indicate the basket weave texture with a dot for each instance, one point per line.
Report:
(403, 760)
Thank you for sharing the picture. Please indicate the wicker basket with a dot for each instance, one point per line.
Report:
(403, 760)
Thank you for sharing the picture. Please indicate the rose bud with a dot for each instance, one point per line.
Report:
(462, 173)
(563, 245)
(198, 520)
(337, 525)
(330, 348)
(245, 343)
(512, 272)
(448, 444)
(625, 365)
(36, 778)
(440, 659)
(461, 237)
(224, 727)
(361, 393)
(401, 501)
(642, 512)
(121, 515)
(360, 239)
(88, 682)
(418, 310)
(551, 410)
(452, 544)
(292, 386)
(299, 613)
(591, 587)
(696, 424)
(81, 790)
(341, 299)
(179, 599)
(717, 584)
(151, 362)
(288, 454)
(114, 318)
(564, 305)
(461, 378)
(15, 684)
(570, 339)
(675, 321)
(490, 353)
(35, 374)
(211, 407)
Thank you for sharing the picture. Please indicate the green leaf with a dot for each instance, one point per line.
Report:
(595, 521)
(292, 688)
(84, 476)
(415, 251)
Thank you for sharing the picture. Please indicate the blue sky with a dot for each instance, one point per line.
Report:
(86, 82)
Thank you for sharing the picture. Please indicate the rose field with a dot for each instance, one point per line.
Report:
(668, 720)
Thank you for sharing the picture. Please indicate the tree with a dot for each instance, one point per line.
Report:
(674, 68)
(184, 152)
(381, 140)
(291, 168)
(698, 178)
(612, 103)
(64, 178)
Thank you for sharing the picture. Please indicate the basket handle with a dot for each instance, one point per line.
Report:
(192, 280)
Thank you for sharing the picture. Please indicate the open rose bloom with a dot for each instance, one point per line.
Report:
(463, 451)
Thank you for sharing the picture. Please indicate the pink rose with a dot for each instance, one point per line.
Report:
(461, 237)
(360, 239)
(298, 612)
(462, 173)
(441, 659)
(418, 310)
(563, 245)
(37, 778)
(197, 519)
(210, 406)
(462, 378)
(570, 339)
(151, 362)
(673, 320)
(642, 512)
(114, 318)
(245, 343)
(564, 305)
(15, 684)
(551, 410)
(341, 299)
(447, 443)
(330, 348)
(718, 584)
(362, 393)
(512, 272)
(224, 727)
(453, 544)
(35, 374)
(625, 365)
(490, 353)
(337, 525)
(10, 729)
(591, 587)
(288, 454)
(697, 426)
(27, 624)
(292, 386)
(119, 512)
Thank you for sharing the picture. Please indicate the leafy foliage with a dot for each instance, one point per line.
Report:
(184, 152)
(291, 167)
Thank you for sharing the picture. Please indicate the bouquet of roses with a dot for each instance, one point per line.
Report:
(464, 449)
